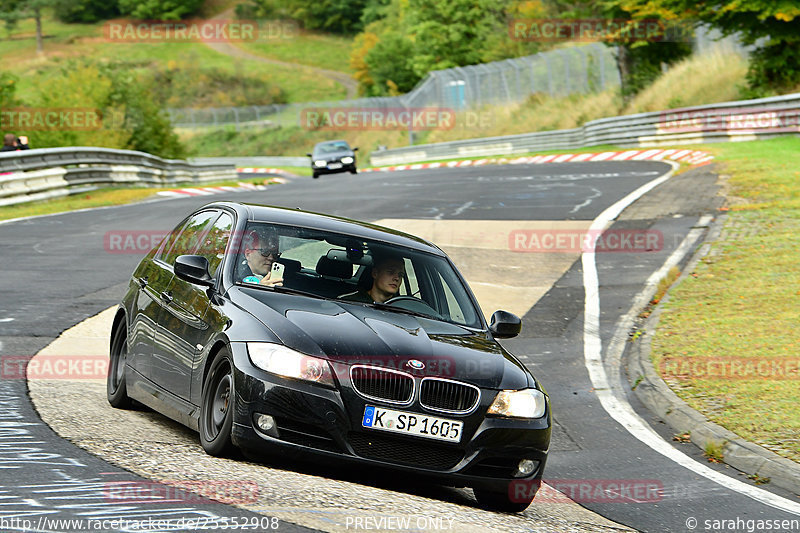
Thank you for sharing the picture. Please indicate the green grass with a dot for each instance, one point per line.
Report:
(73, 41)
(326, 51)
(741, 302)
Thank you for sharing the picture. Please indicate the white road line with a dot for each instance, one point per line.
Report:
(6, 319)
(618, 408)
(462, 208)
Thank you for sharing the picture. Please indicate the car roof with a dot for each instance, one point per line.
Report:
(308, 219)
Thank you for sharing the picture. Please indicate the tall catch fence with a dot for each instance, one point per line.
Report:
(579, 69)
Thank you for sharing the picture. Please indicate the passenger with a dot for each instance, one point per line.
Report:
(260, 253)
(387, 276)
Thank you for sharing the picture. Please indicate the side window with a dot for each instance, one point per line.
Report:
(215, 241)
(185, 242)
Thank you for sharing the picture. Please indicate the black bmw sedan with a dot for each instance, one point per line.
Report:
(331, 157)
(285, 332)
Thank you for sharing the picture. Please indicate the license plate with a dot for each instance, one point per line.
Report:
(412, 424)
(334, 165)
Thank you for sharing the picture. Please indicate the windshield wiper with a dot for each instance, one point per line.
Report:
(385, 307)
(287, 290)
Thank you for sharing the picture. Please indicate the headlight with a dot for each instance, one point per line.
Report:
(347, 160)
(526, 403)
(320, 163)
(286, 362)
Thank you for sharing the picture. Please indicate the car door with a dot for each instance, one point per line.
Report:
(152, 276)
(168, 361)
(182, 324)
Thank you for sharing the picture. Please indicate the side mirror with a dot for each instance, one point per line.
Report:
(308, 154)
(355, 149)
(505, 325)
(194, 269)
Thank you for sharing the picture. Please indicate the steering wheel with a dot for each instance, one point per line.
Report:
(411, 303)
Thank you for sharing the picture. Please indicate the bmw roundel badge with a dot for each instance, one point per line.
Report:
(415, 364)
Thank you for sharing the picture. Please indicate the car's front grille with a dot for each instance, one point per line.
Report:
(449, 396)
(393, 450)
(382, 384)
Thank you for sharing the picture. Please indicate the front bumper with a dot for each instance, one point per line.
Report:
(327, 170)
(320, 423)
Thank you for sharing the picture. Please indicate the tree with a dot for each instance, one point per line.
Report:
(639, 60)
(11, 11)
(452, 33)
(159, 9)
(85, 11)
(772, 26)
(336, 16)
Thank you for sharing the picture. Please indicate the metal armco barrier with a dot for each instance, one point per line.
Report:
(39, 174)
(730, 121)
(258, 161)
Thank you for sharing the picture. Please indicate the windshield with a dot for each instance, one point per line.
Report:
(350, 269)
(331, 147)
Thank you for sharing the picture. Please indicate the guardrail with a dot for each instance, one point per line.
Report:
(258, 161)
(729, 121)
(39, 174)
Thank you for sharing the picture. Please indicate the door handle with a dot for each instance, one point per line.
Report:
(142, 282)
(167, 297)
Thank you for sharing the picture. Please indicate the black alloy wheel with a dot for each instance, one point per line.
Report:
(116, 389)
(216, 409)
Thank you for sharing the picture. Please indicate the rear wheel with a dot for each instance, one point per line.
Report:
(116, 388)
(500, 501)
(216, 409)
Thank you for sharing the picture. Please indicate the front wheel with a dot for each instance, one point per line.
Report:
(353, 170)
(116, 388)
(500, 501)
(315, 175)
(216, 409)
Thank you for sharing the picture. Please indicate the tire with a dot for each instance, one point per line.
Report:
(353, 171)
(217, 406)
(116, 388)
(315, 175)
(499, 501)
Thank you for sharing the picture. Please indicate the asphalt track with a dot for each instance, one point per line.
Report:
(57, 272)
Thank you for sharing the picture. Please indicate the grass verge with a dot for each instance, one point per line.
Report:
(72, 41)
(727, 342)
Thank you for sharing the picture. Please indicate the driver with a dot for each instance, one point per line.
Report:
(387, 275)
(260, 253)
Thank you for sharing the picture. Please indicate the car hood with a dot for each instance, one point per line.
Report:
(352, 333)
